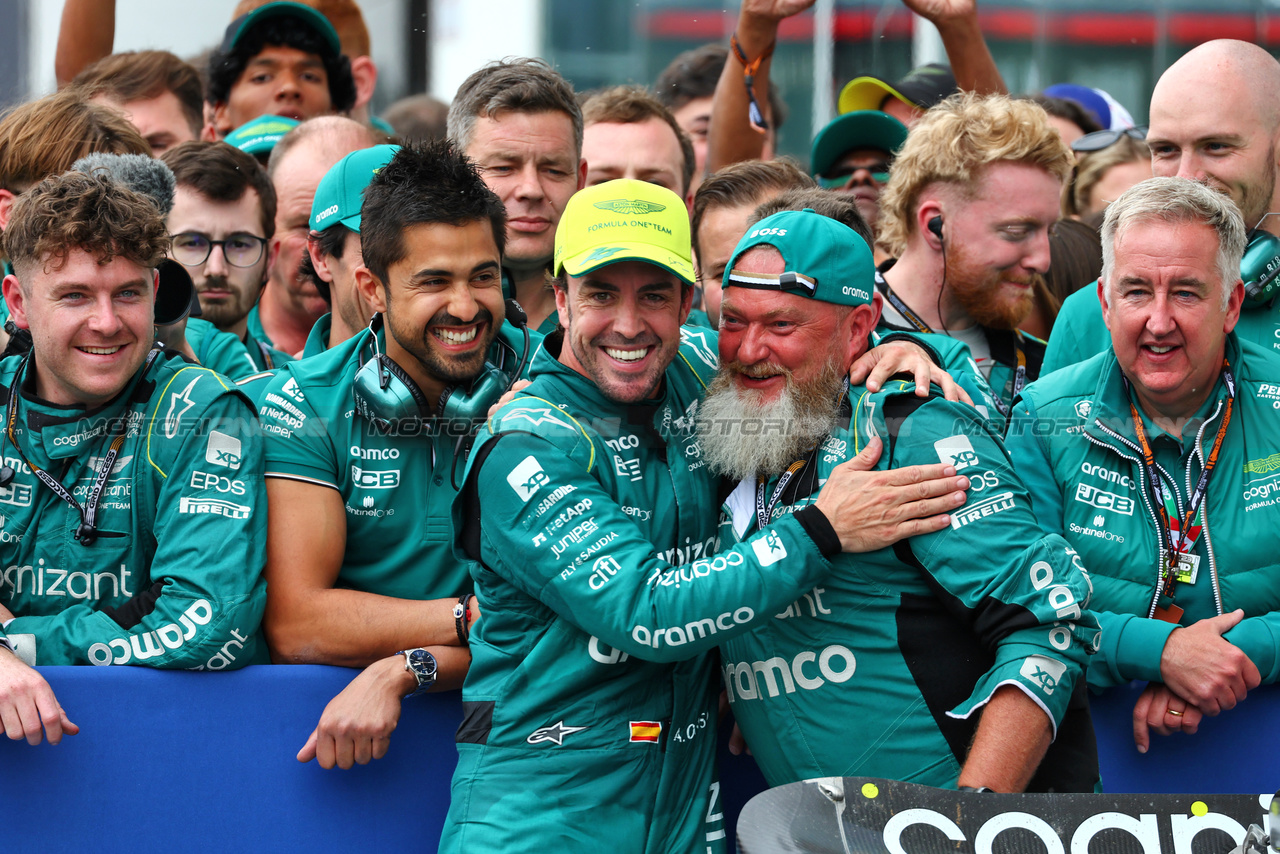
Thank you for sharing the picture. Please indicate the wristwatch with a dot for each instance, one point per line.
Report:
(422, 665)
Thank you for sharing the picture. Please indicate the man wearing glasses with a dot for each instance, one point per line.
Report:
(852, 154)
(223, 216)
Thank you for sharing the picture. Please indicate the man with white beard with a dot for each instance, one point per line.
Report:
(968, 644)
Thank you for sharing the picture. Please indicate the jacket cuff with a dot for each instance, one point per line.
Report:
(908, 338)
(819, 529)
(1139, 647)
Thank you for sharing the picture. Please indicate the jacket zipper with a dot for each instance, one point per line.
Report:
(1146, 497)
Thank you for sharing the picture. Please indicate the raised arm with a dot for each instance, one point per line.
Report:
(87, 34)
(967, 52)
(731, 137)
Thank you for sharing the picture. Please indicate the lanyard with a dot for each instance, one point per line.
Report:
(1178, 538)
(87, 533)
(764, 513)
(1019, 375)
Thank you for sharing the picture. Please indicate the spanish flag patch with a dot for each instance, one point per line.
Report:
(646, 731)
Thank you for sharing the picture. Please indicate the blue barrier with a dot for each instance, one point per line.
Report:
(174, 761)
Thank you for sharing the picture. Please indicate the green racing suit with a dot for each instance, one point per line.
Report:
(174, 576)
(590, 704)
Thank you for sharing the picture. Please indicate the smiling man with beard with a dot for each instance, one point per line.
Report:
(966, 215)
(360, 458)
(958, 655)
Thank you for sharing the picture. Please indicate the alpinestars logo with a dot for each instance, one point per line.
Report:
(630, 206)
(554, 733)
(174, 417)
(527, 478)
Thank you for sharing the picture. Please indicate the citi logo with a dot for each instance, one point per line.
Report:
(754, 680)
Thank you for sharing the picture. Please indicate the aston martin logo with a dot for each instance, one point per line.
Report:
(554, 733)
(1265, 465)
(630, 206)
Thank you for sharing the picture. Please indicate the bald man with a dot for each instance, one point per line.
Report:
(290, 304)
(1215, 117)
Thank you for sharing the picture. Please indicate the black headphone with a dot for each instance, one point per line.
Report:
(1259, 268)
(386, 395)
(935, 226)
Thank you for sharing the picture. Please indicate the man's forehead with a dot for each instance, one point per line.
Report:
(279, 54)
(554, 135)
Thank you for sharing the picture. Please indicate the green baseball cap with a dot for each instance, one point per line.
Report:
(282, 9)
(341, 191)
(624, 220)
(825, 260)
(258, 136)
(861, 129)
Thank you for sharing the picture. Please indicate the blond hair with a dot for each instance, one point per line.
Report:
(1092, 166)
(953, 142)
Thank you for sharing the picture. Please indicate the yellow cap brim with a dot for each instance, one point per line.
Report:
(602, 256)
(865, 93)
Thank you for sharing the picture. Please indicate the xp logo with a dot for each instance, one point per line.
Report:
(603, 253)
(1083, 408)
(527, 478)
(1043, 671)
(554, 733)
(956, 451)
(769, 549)
(223, 450)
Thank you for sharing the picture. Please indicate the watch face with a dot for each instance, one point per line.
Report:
(423, 664)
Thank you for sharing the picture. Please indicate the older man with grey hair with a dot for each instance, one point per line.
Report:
(1157, 460)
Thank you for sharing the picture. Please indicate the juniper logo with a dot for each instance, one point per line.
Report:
(630, 206)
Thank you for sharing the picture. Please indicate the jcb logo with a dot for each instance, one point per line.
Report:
(366, 479)
(1095, 497)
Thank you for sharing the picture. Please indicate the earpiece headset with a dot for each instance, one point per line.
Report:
(386, 395)
(935, 226)
(1260, 268)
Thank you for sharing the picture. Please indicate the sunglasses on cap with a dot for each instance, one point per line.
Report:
(839, 176)
(788, 281)
(1101, 139)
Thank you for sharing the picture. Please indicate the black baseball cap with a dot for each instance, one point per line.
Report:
(922, 87)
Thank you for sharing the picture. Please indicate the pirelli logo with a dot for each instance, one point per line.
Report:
(646, 731)
(987, 507)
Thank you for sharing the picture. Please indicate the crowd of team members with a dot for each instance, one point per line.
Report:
(794, 444)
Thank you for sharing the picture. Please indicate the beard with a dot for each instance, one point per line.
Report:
(980, 291)
(1255, 199)
(453, 370)
(744, 435)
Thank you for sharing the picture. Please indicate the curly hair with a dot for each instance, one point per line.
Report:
(225, 68)
(953, 142)
(90, 212)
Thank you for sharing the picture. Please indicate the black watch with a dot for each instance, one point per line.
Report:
(422, 665)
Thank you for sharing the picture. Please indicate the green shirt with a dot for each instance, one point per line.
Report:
(219, 351)
(318, 338)
(173, 579)
(880, 668)
(396, 489)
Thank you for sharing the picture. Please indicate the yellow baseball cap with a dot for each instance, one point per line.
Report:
(624, 220)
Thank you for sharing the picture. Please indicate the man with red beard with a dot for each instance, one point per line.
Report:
(966, 220)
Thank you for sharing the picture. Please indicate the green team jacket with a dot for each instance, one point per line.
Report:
(879, 669)
(174, 578)
(590, 704)
(219, 351)
(397, 488)
(1073, 442)
(1080, 332)
(260, 346)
